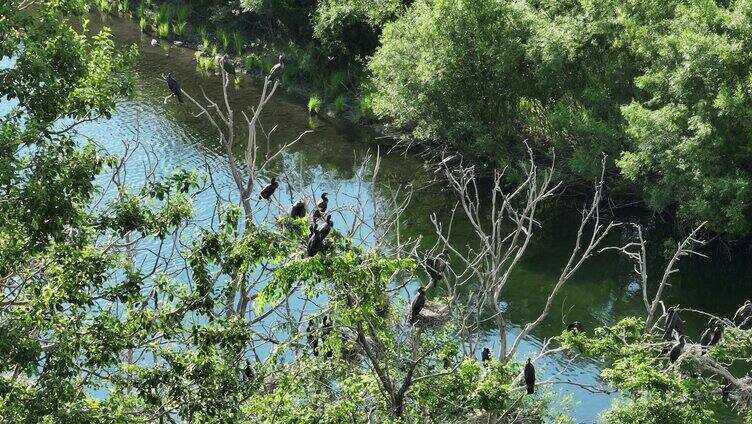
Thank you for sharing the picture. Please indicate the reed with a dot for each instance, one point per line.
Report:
(238, 42)
(163, 29)
(314, 105)
(339, 103)
(224, 39)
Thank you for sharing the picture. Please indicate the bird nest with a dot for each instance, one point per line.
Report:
(433, 314)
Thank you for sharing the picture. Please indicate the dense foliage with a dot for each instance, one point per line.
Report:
(661, 88)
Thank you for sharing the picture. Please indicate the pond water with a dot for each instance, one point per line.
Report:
(600, 293)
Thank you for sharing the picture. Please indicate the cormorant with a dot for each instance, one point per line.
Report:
(321, 206)
(298, 210)
(326, 227)
(313, 339)
(575, 327)
(677, 349)
(747, 324)
(485, 356)
(277, 70)
(743, 312)
(248, 371)
(673, 323)
(530, 377)
(227, 65)
(174, 87)
(725, 390)
(417, 304)
(717, 333)
(449, 162)
(314, 242)
(707, 336)
(268, 191)
(326, 329)
(436, 266)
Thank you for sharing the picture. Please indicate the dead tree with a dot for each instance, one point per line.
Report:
(504, 230)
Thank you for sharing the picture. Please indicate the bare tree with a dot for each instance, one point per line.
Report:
(504, 229)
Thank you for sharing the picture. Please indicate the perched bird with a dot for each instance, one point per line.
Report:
(321, 206)
(575, 327)
(227, 65)
(743, 312)
(248, 371)
(314, 242)
(417, 304)
(277, 70)
(154, 42)
(707, 336)
(677, 349)
(326, 330)
(450, 161)
(174, 87)
(313, 340)
(268, 191)
(747, 324)
(298, 210)
(673, 323)
(436, 266)
(717, 333)
(485, 356)
(326, 227)
(530, 377)
(725, 390)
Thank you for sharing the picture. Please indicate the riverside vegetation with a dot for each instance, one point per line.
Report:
(118, 305)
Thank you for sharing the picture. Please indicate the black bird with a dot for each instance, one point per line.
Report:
(677, 349)
(248, 371)
(673, 323)
(743, 312)
(313, 340)
(717, 333)
(725, 390)
(174, 87)
(314, 242)
(449, 162)
(530, 377)
(417, 304)
(326, 330)
(321, 206)
(298, 210)
(747, 324)
(277, 70)
(436, 266)
(227, 65)
(707, 336)
(575, 327)
(268, 191)
(326, 227)
(485, 356)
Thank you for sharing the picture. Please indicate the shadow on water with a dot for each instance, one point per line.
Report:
(604, 290)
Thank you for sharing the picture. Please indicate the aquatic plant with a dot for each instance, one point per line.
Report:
(224, 39)
(314, 105)
(204, 64)
(165, 12)
(179, 28)
(142, 24)
(204, 36)
(339, 103)
(163, 29)
(238, 42)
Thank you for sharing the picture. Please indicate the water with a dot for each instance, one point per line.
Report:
(604, 290)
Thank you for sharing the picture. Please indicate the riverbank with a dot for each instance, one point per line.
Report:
(338, 62)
